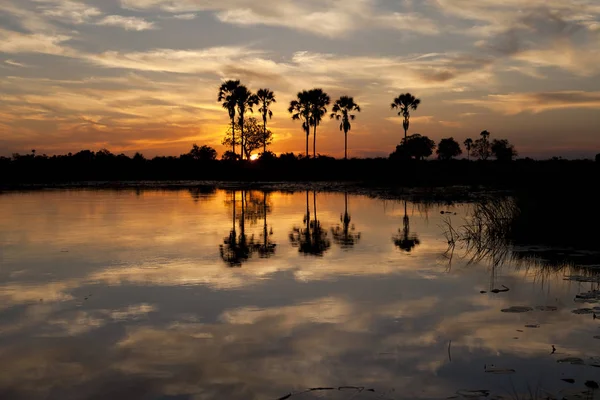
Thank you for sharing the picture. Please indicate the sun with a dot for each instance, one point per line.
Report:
(254, 157)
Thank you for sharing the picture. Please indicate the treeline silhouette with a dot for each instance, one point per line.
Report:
(201, 163)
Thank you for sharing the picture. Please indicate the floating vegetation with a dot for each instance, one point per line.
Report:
(581, 311)
(517, 309)
(591, 296)
(580, 394)
(546, 308)
(357, 389)
(582, 278)
(470, 394)
(571, 360)
(532, 326)
(597, 337)
(568, 380)
(498, 371)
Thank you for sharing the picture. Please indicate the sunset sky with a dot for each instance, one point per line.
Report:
(143, 75)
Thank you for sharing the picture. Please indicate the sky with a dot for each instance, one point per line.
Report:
(143, 75)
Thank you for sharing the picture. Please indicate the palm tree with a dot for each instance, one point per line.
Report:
(245, 100)
(468, 145)
(319, 101)
(485, 151)
(300, 110)
(404, 103)
(342, 110)
(265, 98)
(227, 98)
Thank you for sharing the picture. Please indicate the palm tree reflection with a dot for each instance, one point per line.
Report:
(405, 240)
(235, 249)
(345, 235)
(311, 239)
(266, 248)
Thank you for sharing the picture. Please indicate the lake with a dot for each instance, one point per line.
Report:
(218, 294)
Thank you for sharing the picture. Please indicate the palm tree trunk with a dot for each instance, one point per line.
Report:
(242, 132)
(265, 135)
(315, 142)
(345, 144)
(307, 134)
(233, 135)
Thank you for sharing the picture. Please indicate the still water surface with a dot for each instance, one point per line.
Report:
(200, 294)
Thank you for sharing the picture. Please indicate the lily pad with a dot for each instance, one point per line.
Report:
(517, 309)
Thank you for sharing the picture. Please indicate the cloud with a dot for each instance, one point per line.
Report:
(127, 23)
(329, 18)
(74, 12)
(185, 17)
(14, 63)
(515, 103)
(15, 42)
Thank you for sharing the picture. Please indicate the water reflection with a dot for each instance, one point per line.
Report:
(345, 236)
(312, 238)
(235, 250)
(149, 310)
(404, 239)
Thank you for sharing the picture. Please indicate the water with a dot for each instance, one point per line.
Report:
(148, 295)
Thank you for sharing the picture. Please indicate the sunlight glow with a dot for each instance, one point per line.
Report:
(254, 157)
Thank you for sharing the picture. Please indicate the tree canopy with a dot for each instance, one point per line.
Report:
(254, 136)
(448, 149)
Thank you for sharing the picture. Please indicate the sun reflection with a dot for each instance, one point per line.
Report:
(254, 157)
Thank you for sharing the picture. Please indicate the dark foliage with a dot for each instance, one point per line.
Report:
(414, 146)
(105, 166)
(502, 150)
(448, 149)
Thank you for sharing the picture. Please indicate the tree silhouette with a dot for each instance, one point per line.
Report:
(227, 97)
(254, 136)
(404, 103)
(203, 153)
(265, 98)
(319, 100)
(301, 110)
(482, 146)
(448, 149)
(503, 150)
(468, 145)
(345, 236)
(311, 239)
(404, 239)
(342, 110)
(245, 100)
(414, 146)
